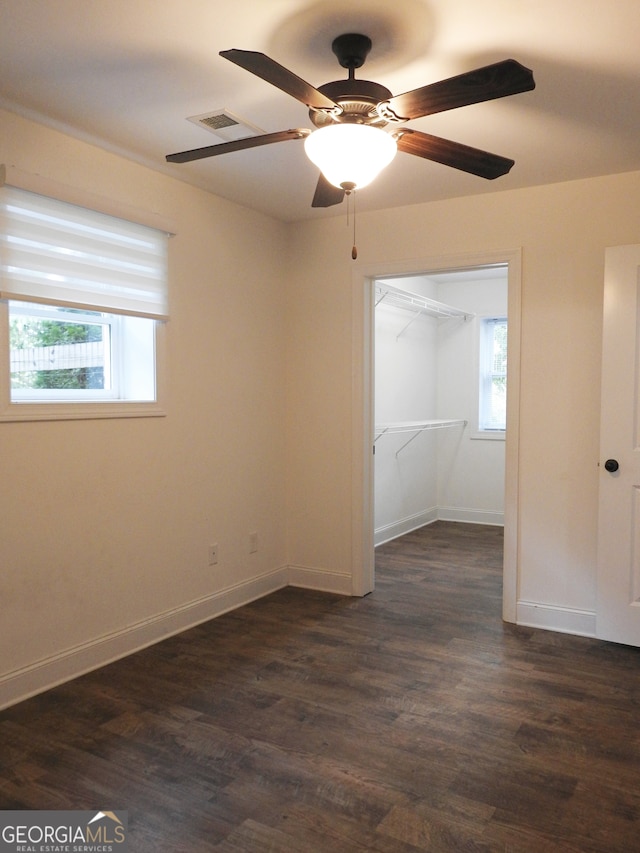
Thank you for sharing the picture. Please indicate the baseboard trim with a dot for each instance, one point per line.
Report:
(306, 577)
(47, 673)
(405, 525)
(565, 620)
(471, 516)
(439, 513)
(71, 663)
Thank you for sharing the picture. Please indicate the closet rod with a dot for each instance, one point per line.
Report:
(427, 425)
(415, 427)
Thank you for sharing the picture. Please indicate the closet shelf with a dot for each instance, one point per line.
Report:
(415, 427)
(398, 298)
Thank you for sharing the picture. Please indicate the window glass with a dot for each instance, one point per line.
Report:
(493, 374)
(70, 354)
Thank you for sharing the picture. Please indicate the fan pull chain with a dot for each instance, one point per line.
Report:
(351, 188)
(354, 250)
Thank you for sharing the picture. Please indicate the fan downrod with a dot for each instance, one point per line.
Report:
(351, 49)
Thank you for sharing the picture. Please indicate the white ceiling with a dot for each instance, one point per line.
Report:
(126, 74)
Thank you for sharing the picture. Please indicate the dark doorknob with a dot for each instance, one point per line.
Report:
(611, 465)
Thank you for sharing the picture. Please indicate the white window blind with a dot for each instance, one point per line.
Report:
(58, 253)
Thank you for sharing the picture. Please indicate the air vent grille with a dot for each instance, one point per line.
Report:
(226, 125)
(217, 122)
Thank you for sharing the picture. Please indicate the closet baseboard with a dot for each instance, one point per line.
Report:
(471, 516)
(438, 513)
(405, 525)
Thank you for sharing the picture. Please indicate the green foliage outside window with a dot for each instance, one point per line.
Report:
(32, 332)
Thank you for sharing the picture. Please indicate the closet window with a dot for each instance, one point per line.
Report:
(492, 413)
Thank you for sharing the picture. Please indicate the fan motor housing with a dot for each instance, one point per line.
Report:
(358, 99)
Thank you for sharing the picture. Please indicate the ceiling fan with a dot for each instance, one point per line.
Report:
(370, 117)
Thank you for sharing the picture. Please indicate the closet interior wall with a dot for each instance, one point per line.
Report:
(429, 461)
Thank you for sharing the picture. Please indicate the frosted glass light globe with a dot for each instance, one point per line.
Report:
(350, 155)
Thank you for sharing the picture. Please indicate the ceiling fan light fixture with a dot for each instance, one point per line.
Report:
(350, 155)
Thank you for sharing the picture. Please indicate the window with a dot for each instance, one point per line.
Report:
(70, 354)
(83, 300)
(492, 415)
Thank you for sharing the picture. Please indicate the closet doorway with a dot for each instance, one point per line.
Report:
(440, 399)
(418, 402)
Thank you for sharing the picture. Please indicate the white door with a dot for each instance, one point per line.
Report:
(618, 591)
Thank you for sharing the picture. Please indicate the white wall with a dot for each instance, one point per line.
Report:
(105, 524)
(563, 230)
(406, 480)
(471, 470)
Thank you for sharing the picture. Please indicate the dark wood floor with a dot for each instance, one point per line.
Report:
(409, 720)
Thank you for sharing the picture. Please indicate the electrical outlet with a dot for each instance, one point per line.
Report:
(213, 555)
(253, 543)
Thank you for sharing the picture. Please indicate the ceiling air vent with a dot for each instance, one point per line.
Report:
(226, 125)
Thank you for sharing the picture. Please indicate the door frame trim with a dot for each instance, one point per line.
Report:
(362, 412)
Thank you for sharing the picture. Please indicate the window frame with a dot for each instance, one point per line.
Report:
(482, 432)
(84, 409)
(87, 408)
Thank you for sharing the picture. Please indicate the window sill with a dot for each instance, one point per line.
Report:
(79, 411)
(489, 435)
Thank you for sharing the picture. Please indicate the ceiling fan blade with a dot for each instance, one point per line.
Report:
(453, 154)
(237, 145)
(326, 194)
(280, 77)
(473, 87)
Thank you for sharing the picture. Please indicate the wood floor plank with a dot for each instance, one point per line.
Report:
(410, 720)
